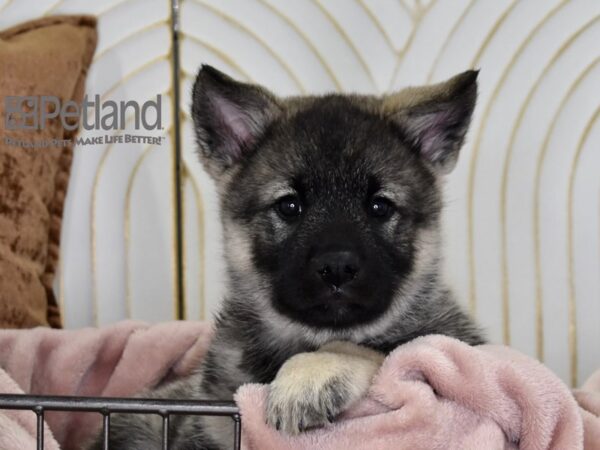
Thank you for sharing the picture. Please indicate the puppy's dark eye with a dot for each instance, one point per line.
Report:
(380, 207)
(289, 206)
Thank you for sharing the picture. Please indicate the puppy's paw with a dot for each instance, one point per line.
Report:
(311, 389)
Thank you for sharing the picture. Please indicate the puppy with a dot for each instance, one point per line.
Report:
(331, 216)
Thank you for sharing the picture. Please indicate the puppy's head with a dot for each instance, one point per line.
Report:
(331, 204)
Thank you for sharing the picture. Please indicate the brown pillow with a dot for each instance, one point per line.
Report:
(45, 57)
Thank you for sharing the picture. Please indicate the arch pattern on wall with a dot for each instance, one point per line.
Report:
(522, 223)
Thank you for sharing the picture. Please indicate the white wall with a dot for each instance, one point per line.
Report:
(117, 249)
(523, 216)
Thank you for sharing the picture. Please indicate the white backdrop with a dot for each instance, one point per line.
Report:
(523, 206)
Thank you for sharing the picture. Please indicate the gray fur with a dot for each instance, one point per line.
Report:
(254, 144)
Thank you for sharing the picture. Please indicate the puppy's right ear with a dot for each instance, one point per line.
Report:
(229, 118)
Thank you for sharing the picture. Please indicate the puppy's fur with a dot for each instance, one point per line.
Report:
(331, 216)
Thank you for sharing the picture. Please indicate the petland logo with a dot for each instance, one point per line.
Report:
(38, 112)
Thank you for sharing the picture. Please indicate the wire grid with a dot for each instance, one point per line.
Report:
(39, 404)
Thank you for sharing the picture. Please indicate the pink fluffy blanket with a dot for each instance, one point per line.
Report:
(434, 392)
(115, 361)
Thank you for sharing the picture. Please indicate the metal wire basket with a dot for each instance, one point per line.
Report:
(107, 406)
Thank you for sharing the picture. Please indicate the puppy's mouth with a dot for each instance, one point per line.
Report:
(331, 306)
(337, 301)
(332, 309)
(337, 310)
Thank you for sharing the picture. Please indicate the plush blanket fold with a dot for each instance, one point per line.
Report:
(438, 393)
(115, 361)
(588, 397)
(432, 393)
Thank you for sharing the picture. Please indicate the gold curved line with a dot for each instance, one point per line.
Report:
(219, 53)
(201, 233)
(132, 74)
(308, 42)
(5, 5)
(409, 43)
(442, 50)
(128, 191)
(187, 75)
(257, 38)
(183, 179)
(349, 42)
(128, 76)
(421, 9)
(200, 219)
(470, 251)
(407, 9)
(492, 32)
(97, 175)
(477, 144)
(111, 7)
(99, 171)
(144, 29)
(52, 8)
(506, 169)
(126, 233)
(571, 253)
(378, 24)
(472, 295)
(536, 208)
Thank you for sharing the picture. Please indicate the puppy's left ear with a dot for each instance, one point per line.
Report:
(435, 118)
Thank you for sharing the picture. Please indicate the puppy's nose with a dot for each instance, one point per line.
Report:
(336, 268)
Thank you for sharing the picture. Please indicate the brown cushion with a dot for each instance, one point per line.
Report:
(45, 57)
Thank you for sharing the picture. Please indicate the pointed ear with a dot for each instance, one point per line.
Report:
(436, 118)
(229, 117)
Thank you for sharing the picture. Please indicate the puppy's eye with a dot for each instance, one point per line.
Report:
(380, 207)
(289, 206)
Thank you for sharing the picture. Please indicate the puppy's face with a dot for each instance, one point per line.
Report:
(329, 203)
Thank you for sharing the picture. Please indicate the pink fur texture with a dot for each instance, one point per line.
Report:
(432, 393)
(588, 398)
(18, 428)
(114, 361)
(438, 393)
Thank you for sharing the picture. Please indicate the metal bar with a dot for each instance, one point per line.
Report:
(105, 429)
(40, 427)
(165, 438)
(181, 313)
(107, 405)
(237, 431)
(118, 405)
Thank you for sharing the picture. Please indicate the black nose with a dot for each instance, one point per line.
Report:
(336, 268)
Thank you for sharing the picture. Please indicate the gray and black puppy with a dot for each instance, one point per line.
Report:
(331, 215)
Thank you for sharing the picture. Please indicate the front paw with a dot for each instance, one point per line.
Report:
(311, 389)
(299, 402)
